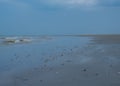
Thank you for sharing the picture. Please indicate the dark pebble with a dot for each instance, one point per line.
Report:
(11, 59)
(25, 79)
(97, 74)
(111, 65)
(84, 70)
(68, 60)
(41, 80)
(15, 54)
(63, 64)
(28, 55)
(47, 60)
(61, 54)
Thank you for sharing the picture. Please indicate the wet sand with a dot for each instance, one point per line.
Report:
(91, 60)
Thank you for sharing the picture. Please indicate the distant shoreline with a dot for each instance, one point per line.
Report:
(82, 35)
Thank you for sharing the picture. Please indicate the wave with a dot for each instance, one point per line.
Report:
(22, 39)
(15, 40)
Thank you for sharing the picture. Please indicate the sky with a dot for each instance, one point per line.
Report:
(62, 17)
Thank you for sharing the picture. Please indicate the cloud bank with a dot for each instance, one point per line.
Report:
(83, 2)
(74, 2)
(67, 3)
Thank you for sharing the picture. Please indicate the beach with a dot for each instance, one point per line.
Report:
(64, 60)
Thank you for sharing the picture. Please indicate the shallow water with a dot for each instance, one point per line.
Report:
(61, 61)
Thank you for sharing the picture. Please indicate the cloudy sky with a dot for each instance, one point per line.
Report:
(34, 17)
